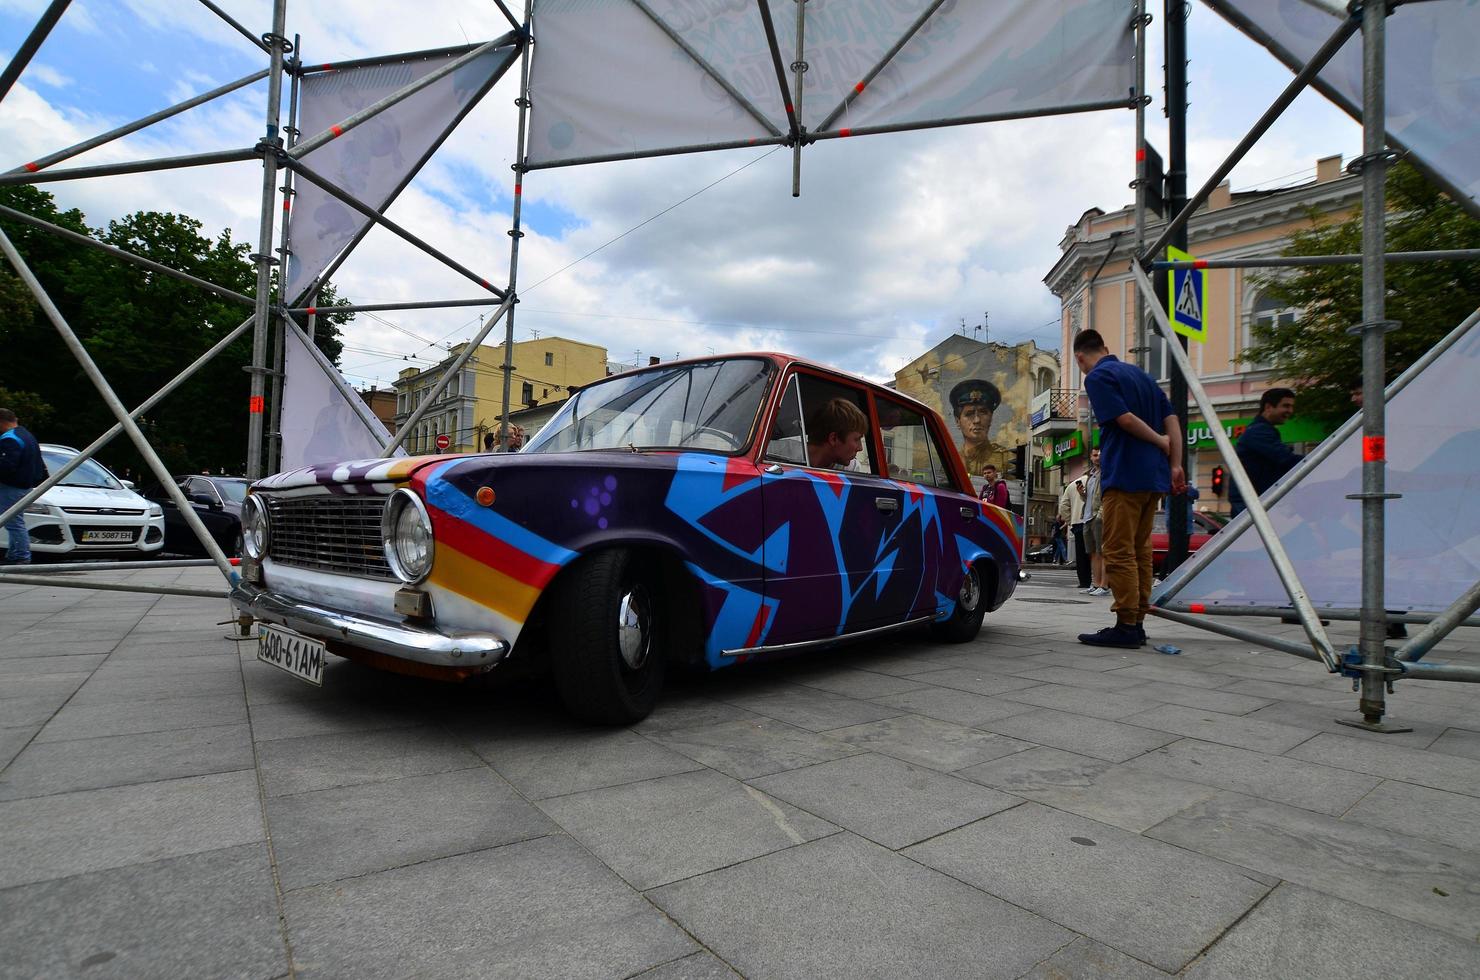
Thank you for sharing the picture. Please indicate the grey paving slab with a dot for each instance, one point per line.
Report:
(1157, 903)
(699, 966)
(1332, 691)
(544, 763)
(537, 909)
(1105, 660)
(814, 709)
(989, 681)
(141, 687)
(1188, 676)
(1110, 740)
(1197, 697)
(1214, 726)
(29, 712)
(314, 762)
(952, 705)
(929, 742)
(1460, 742)
(1367, 753)
(1109, 792)
(1297, 932)
(12, 740)
(324, 715)
(24, 648)
(1101, 680)
(137, 717)
(170, 667)
(72, 833)
(842, 907)
(212, 914)
(353, 830)
(82, 663)
(1324, 718)
(1284, 780)
(1432, 814)
(1082, 701)
(899, 665)
(885, 800)
(662, 830)
(1085, 958)
(175, 646)
(858, 683)
(94, 763)
(60, 685)
(1416, 880)
(675, 713)
(745, 749)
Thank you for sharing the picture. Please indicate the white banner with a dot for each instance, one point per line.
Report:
(323, 419)
(614, 77)
(376, 159)
(1433, 529)
(1432, 69)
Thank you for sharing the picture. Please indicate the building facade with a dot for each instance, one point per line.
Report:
(382, 402)
(545, 371)
(1093, 282)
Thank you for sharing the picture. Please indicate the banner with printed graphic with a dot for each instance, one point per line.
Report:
(1433, 74)
(628, 77)
(1433, 527)
(376, 159)
(323, 419)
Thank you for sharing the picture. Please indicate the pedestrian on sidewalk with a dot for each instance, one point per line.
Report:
(1094, 528)
(1141, 461)
(994, 488)
(1060, 548)
(1071, 512)
(1264, 455)
(21, 468)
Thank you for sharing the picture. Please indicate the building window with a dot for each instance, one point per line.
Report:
(549, 358)
(526, 393)
(1268, 312)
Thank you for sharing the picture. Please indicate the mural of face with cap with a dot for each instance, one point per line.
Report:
(974, 400)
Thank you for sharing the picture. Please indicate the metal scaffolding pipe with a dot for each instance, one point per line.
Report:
(1280, 261)
(256, 41)
(1297, 85)
(1283, 567)
(1458, 614)
(1059, 110)
(516, 234)
(43, 162)
(429, 304)
(387, 59)
(1280, 612)
(1237, 633)
(1465, 673)
(447, 376)
(73, 567)
(31, 45)
(130, 167)
(8, 578)
(770, 28)
(328, 186)
(665, 152)
(122, 255)
(873, 72)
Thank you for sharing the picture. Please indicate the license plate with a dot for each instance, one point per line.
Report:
(93, 537)
(298, 655)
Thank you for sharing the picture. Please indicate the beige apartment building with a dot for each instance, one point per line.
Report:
(1093, 282)
(545, 371)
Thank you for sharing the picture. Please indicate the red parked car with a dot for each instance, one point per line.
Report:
(1204, 526)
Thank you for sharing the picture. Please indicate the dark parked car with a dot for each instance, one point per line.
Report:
(217, 500)
(670, 515)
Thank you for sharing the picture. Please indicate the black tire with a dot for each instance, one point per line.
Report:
(607, 628)
(966, 619)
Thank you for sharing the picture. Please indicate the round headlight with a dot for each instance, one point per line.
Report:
(254, 528)
(408, 537)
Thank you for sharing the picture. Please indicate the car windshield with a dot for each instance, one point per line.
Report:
(233, 490)
(89, 474)
(708, 405)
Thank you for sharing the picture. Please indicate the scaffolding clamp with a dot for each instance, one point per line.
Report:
(1386, 326)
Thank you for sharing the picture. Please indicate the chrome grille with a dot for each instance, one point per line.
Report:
(328, 534)
(120, 511)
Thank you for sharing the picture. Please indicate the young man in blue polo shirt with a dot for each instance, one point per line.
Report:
(1140, 461)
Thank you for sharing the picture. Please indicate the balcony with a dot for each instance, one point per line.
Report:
(1055, 410)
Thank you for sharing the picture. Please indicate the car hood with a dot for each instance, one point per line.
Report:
(375, 475)
(381, 476)
(94, 497)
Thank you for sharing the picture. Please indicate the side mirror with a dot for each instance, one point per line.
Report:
(204, 499)
(127, 484)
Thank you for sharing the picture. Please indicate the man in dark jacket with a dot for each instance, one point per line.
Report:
(21, 469)
(1265, 456)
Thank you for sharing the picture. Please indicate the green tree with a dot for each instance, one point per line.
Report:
(1428, 299)
(141, 328)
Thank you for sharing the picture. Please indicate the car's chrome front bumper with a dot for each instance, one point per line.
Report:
(402, 640)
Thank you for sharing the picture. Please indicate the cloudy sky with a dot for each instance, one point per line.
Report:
(894, 242)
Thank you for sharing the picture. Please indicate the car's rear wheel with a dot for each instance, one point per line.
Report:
(965, 621)
(607, 631)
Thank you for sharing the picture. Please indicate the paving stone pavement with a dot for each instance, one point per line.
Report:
(1021, 806)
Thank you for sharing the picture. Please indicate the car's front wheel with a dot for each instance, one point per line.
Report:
(965, 620)
(606, 639)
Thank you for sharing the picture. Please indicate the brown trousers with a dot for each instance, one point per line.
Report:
(1127, 528)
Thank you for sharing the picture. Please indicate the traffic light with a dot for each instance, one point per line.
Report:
(1019, 464)
(1218, 481)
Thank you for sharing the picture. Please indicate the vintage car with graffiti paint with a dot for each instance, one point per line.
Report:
(664, 517)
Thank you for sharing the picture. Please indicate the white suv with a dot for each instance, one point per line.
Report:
(91, 512)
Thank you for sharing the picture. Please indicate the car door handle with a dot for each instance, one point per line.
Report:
(968, 512)
(774, 469)
(887, 504)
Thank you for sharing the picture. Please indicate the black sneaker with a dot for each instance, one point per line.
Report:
(1114, 636)
(16, 561)
(1141, 632)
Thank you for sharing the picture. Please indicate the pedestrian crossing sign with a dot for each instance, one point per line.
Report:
(1188, 289)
